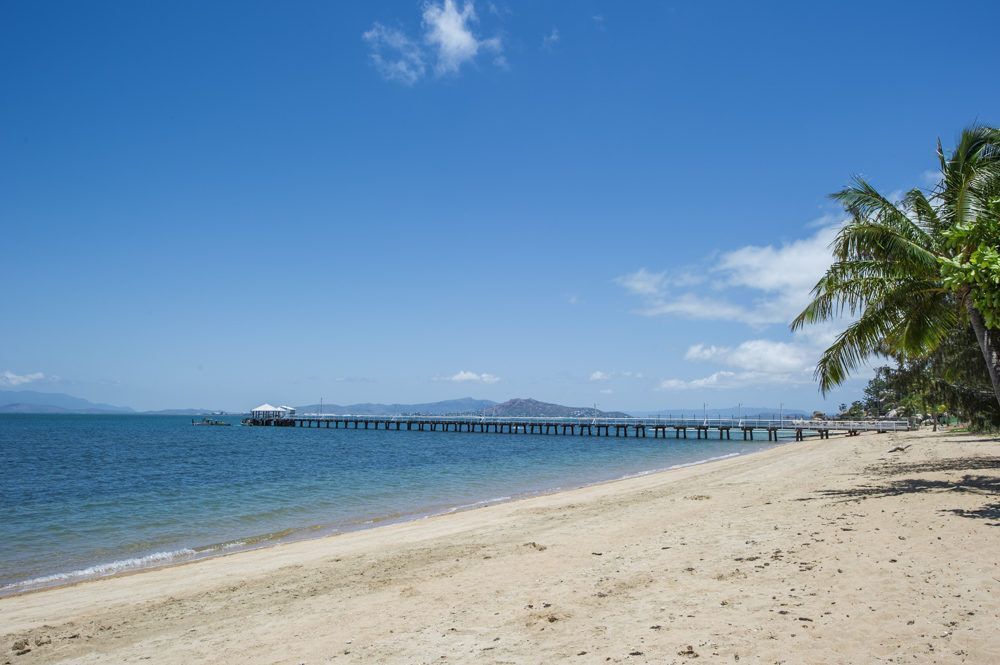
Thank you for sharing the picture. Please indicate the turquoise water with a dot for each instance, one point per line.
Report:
(85, 496)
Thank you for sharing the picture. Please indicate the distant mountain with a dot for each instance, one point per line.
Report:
(30, 401)
(20, 407)
(465, 406)
(535, 409)
(451, 407)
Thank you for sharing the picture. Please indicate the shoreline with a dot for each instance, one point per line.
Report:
(824, 552)
(291, 535)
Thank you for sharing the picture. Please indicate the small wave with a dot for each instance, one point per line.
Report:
(477, 504)
(639, 474)
(229, 545)
(101, 570)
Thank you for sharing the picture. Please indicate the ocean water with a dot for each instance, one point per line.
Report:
(87, 496)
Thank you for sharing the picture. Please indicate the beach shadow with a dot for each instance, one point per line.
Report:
(952, 464)
(987, 512)
(975, 484)
(969, 483)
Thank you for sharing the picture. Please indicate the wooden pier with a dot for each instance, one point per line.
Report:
(606, 427)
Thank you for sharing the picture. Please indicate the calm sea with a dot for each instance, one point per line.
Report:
(87, 496)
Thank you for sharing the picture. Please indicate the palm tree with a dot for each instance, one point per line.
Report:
(888, 263)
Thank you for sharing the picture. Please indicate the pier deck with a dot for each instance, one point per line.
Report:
(618, 427)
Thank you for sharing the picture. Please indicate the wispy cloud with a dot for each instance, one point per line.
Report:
(395, 56)
(930, 178)
(723, 379)
(447, 43)
(471, 377)
(756, 362)
(607, 376)
(777, 279)
(9, 378)
(757, 285)
(598, 20)
(642, 282)
(551, 39)
(778, 357)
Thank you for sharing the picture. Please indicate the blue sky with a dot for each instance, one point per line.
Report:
(216, 204)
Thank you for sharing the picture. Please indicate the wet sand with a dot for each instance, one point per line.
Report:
(834, 551)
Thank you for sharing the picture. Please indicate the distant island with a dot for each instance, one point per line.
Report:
(29, 401)
(464, 407)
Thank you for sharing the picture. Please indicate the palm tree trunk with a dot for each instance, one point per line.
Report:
(989, 342)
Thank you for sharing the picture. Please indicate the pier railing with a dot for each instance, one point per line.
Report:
(735, 423)
(595, 426)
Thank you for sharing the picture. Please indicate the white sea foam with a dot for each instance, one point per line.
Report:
(476, 504)
(680, 466)
(100, 570)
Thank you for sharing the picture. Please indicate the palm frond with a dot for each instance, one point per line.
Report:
(903, 323)
(870, 241)
(925, 212)
(865, 203)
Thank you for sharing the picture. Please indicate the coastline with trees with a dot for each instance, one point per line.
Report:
(920, 279)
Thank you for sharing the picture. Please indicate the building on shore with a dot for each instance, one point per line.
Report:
(267, 411)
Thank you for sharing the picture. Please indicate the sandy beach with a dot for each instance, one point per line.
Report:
(833, 551)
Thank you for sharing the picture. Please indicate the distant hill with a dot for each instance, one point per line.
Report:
(451, 407)
(535, 409)
(30, 401)
(465, 406)
(20, 407)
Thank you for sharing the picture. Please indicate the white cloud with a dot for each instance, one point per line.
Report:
(643, 282)
(447, 29)
(497, 10)
(396, 56)
(607, 391)
(794, 266)
(727, 379)
(755, 362)
(778, 357)
(8, 378)
(756, 285)
(551, 39)
(464, 376)
(607, 376)
(704, 352)
(598, 20)
(693, 306)
(448, 42)
(672, 384)
(777, 279)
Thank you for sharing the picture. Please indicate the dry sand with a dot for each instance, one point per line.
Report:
(820, 552)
